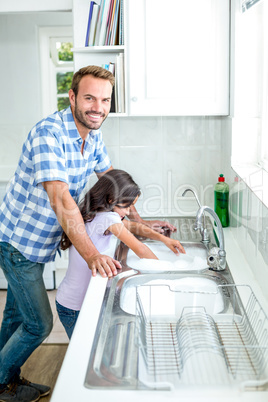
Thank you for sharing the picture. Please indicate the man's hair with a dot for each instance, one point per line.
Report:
(95, 71)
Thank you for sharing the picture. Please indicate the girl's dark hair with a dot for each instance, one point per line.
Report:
(115, 188)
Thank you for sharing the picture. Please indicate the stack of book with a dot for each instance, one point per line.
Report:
(118, 97)
(105, 23)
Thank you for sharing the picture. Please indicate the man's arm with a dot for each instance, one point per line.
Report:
(71, 221)
(157, 225)
(102, 173)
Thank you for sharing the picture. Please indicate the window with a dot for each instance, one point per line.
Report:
(251, 87)
(264, 143)
(57, 67)
(250, 121)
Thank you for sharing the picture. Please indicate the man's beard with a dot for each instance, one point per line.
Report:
(81, 119)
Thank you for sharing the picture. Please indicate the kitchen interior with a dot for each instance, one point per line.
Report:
(179, 146)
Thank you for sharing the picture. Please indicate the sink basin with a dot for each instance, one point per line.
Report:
(194, 259)
(177, 290)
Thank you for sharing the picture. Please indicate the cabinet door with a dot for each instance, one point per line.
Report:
(178, 57)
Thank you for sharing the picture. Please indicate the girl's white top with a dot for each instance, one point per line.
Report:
(72, 289)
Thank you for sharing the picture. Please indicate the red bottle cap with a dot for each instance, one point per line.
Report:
(221, 178)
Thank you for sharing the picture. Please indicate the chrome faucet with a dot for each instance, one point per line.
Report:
(202, 226)
(217, 255)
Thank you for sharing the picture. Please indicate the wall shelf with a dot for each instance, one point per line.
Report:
(99, 49)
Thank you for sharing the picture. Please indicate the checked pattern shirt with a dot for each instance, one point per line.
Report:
(51, 152)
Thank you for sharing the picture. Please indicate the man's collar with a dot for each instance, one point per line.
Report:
(71, 128)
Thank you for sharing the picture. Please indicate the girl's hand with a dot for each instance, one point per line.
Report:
(174, 245)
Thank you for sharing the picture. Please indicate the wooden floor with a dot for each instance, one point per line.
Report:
(44, 364)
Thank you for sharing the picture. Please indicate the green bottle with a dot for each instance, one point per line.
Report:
(221, 201)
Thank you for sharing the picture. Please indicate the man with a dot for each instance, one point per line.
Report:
(59, 155)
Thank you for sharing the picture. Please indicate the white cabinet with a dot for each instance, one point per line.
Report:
(84, 56)
(177, 57)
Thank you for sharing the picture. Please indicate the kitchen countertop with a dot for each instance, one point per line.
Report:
(70, 383)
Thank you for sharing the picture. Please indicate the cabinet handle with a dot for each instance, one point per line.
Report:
(134, 99)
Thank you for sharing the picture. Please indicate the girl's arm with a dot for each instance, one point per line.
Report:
(123, 234)
(142, 230)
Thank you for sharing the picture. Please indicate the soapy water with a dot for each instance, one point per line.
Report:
(194, 259)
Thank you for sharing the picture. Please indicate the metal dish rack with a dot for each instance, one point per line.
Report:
(229, 348)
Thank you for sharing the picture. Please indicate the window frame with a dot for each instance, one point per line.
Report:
(250, 125)
(263, 156)
(48, 36)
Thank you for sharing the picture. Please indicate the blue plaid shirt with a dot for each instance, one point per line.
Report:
(51, 152)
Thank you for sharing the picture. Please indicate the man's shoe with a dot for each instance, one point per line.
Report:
(42, 389)
(19, 393)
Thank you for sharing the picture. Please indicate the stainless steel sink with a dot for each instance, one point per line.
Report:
(155, 323)
(114, 356)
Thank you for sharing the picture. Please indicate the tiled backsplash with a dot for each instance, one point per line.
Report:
(249, 222)
(165, 155)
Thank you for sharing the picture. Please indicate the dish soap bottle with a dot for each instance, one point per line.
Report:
(221, 200)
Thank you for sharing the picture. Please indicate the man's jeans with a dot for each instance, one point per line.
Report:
(27, 318)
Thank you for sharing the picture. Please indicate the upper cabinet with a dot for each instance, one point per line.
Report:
(177, 57)
(35, 6)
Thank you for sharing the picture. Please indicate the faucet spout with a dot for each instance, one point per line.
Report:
(216, 256)
(194, 193)
(202, 226)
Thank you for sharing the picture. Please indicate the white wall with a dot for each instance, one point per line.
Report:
(20, 101)
(167, 154)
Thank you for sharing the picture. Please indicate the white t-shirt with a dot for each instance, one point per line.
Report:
(72, 289)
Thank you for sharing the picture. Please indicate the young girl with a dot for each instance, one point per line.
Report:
(103, 209)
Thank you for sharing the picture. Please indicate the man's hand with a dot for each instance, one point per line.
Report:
(160, 226)
(106, 266)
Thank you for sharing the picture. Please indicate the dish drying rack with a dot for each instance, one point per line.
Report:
(193, 345)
